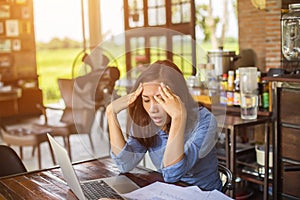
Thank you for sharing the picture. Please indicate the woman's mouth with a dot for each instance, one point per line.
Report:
(157, 120)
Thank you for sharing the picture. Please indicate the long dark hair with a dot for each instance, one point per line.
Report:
(163, 71)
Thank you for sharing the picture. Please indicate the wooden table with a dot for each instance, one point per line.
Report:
(232, 124)
(50, 184)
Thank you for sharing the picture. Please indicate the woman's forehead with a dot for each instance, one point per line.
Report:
(151, 88)
(151, 83)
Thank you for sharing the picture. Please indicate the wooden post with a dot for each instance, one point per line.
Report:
(94, 23)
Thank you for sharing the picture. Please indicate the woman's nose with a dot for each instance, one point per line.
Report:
(153, 107)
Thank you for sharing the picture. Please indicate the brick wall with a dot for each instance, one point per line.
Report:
(260, 31)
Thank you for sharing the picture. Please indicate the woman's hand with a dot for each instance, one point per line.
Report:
(170, 102)
(123, 102)
(116, 137)
(175, 108)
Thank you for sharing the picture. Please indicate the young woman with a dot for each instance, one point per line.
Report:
(164, 120)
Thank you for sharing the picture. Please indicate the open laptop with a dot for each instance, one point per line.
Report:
(111, 187)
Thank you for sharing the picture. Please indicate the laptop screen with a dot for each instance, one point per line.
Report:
(65, 164)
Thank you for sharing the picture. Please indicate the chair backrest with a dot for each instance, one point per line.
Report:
(66, 90)
(76, 111)
(84, 95)
(10, 162)
(96, 86)
(226, 177)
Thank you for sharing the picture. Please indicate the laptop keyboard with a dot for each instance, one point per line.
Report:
(99, 189)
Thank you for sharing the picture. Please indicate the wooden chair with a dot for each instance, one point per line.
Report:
(74, 120)
(101, 82)
(10, 162)
(27, 137)
(83, 97)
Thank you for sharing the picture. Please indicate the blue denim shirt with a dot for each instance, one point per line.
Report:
(199, 165)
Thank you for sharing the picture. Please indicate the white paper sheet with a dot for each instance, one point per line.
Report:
(164, 191)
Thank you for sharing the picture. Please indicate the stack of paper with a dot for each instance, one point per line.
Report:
(164, 191)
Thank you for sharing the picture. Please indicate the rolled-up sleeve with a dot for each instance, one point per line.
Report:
(130, 156)
(196, 147)
(173, 173)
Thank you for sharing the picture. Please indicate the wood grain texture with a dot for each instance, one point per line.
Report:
(50, 184)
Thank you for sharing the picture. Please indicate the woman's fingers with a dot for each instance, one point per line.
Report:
(136, 93)
(159, 100)
(165, 92)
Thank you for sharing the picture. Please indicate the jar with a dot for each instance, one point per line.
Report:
(222, 59)
(290, 33)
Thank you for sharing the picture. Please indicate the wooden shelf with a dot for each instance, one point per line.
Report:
(235, 110)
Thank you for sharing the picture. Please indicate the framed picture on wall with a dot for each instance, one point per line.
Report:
(21, 1)
(4, 11)
(25, 12)
(16, 45)
(6, 60)
(25, 27)
(5, 45)
(12, 28)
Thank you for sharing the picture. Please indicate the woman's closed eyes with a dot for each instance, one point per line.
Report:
(147, 99)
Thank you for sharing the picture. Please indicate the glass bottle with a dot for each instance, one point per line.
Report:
(260, 89)
(223, 89)
(224, 82)
(236, 95)
(230, 84)
(230, 88)
(265, 94)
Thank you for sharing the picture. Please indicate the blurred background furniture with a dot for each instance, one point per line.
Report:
(285, 95)
(27, 137)
(73, 120)
(226, 177)
(83, 97)
(232, 127)
(9, 101)
(10, 162)
(18, 66)
(246, 58)
(97, 88)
